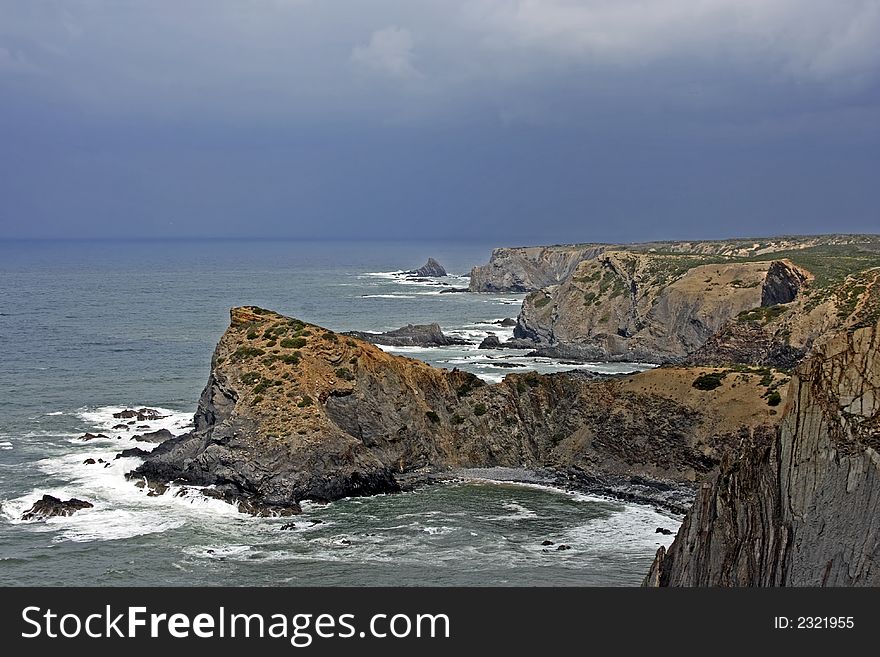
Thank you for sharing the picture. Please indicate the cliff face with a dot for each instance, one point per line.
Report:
(292, 411)
(529, 268)
(625, 305)
(798, 506)
(633, 306)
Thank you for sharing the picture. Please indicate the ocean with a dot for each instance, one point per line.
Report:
(88, 328)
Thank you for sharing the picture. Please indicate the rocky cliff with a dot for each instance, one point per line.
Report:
(653, 306)
(523, 269)
(530, 268)
(797, 506)
(292, 411)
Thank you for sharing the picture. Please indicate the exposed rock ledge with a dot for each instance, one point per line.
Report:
(797, 506)
(411, 335)
(292, 411)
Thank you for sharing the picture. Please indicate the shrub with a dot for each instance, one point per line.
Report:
(479, 409)
(774, 398)
(331, 336)
(252, 335)
(432, 416)
(291, 358)
(345, 373)
(294, 343)
(457, 419)
(248, 352)
(306, 401)
(250, 378)
(258, 399)
(709, 381)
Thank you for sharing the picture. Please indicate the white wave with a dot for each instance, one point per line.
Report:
(102, 420)
(438, 531)
(386, 296)
(5, 445)
(121, 509)
(56, 413)
(218, 551)
(517, 512)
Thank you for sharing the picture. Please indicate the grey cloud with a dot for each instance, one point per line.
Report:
(389, 51)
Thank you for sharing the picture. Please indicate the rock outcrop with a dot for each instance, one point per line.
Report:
(49, 507)
(662, 307)
(154, 436)
(796, 506)
(746, 343)
(292, 411)
(431, 269)
(530, 268)
(641, 307)
(411, 335)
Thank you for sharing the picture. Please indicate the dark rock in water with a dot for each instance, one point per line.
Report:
(491, 341)
(345, 541)
(120, 427)
(563, 547)
(454, 290)
(518, 343)
(432, 268)
(546, 543)
(287, 526)
(411, 335)
(231, 494)
(507, 321)
(507, 365)
(92, 436)
(89, 462)
(134, 451)
(316, 522)
(154, 488)
(100, 460)
(159, 436)
(49, 507)
(141, 414)
(664, 531)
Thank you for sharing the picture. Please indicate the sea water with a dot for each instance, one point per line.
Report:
(88, 328)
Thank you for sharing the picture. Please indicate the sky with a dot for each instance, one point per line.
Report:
(513, 121)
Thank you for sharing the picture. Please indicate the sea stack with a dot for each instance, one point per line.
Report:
(431, 269)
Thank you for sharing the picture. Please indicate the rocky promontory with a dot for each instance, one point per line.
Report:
(708, 309)
(530, 268)
(411, 335)
(293, 412)
(796, 505)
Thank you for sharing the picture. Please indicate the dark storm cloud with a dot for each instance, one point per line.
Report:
(521, 120)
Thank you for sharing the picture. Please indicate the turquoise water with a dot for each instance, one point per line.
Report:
(87, 328)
